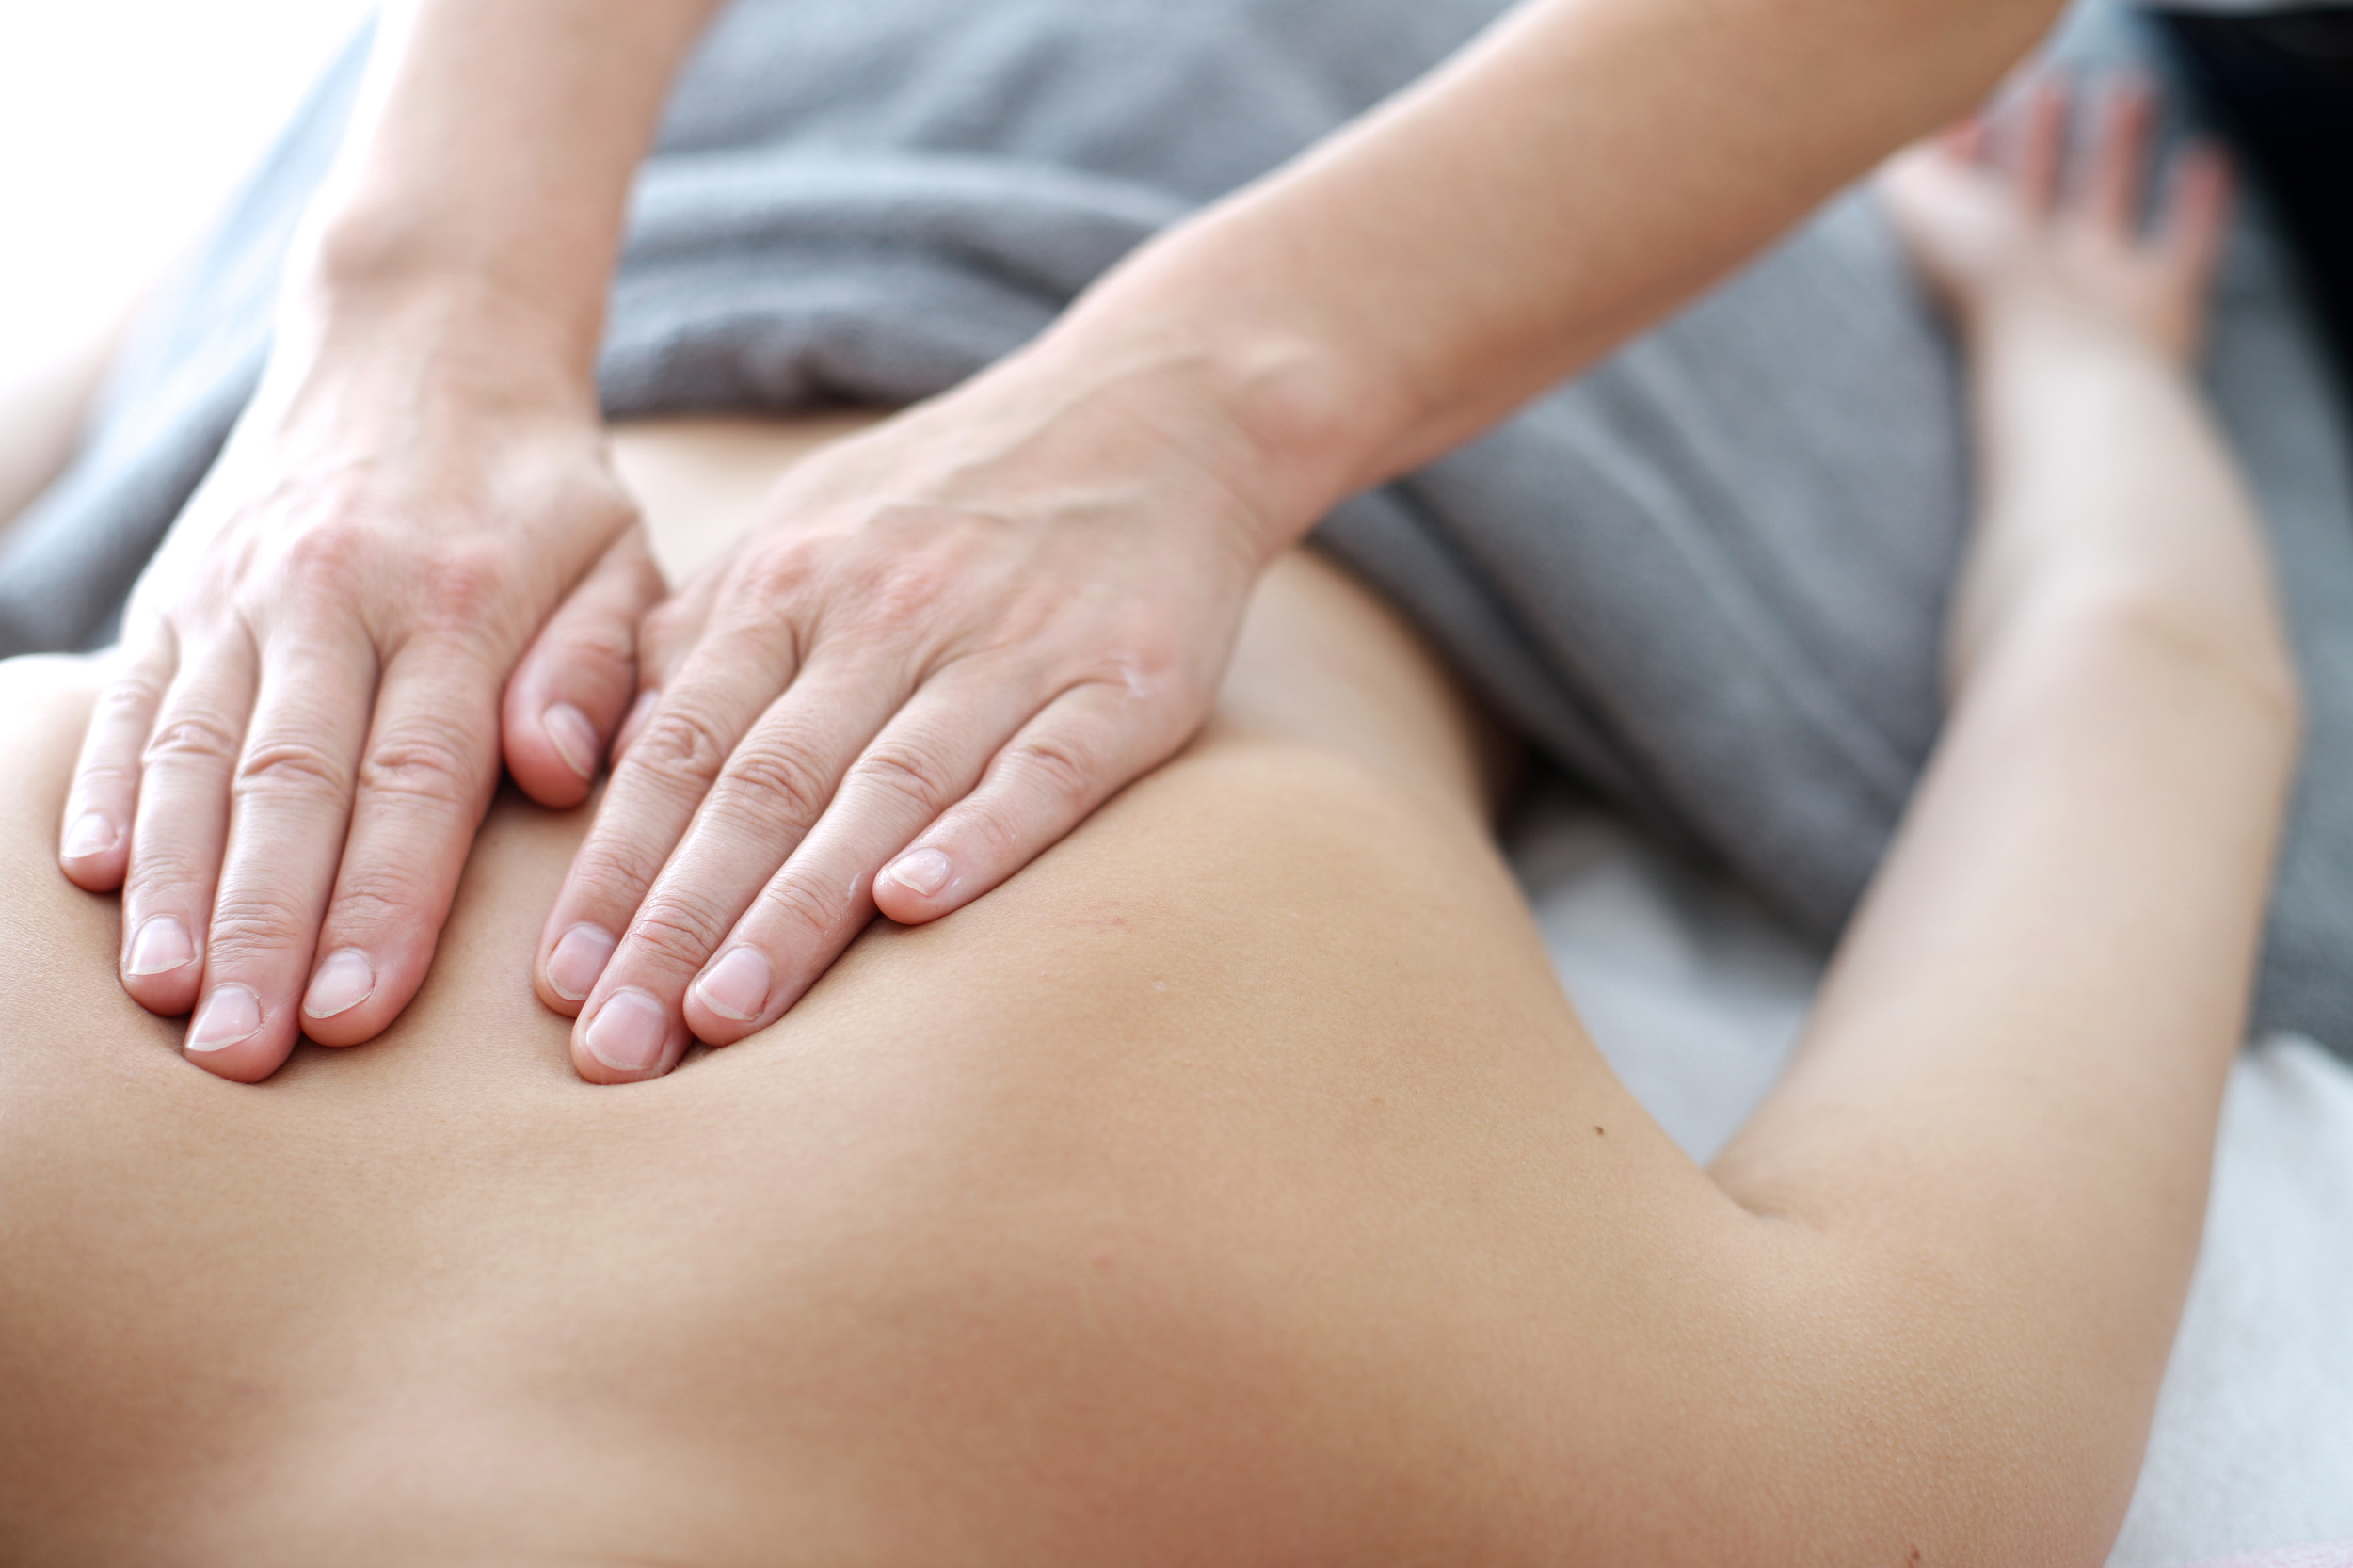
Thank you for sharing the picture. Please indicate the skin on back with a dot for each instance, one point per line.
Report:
(1235, 1184)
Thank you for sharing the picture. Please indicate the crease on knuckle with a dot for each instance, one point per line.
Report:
(776, 574)
(425, 760)
(680, 747)
(601, 639)
(772, 785)
(910, 772)
(190, 738)
(679, 934)
(801, 910)
(380, 899)
(250, 924)
(104, 779)
(1065, 771)
(289, 765)
(127, 700)
(168, 874)
(607, 864)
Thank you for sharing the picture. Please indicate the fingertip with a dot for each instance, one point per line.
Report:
(627, 1037)
(555, 755)
(159, 967)
(575, 739)
(229, 1036)
(347, 1003)
(920, 886)
(94, 853)
(570, 969)
(550, 753)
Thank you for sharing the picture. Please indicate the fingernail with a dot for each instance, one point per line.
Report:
(578, 959)
(93, 833)
(627, 1033)
(230, 1014)
(342, 984)
(575, 738)
(737, 986)
(162, 945)
(926, 871)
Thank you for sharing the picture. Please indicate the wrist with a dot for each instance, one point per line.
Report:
(450, 329)
(373, 272)
(2029, 326)
(1283, 421)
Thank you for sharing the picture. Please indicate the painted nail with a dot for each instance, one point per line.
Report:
(578, 959)
(926, 871)
(162, 945)
(93, 833)
(575, 738)
(627, 1033)
(737, 986)
(230, 1014)
(342, 984)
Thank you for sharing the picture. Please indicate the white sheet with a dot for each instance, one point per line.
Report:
(1696, 998)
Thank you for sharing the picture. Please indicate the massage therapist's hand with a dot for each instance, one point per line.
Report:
(287, 773)
(951, 639)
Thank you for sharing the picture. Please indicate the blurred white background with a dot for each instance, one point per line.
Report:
(123, 124)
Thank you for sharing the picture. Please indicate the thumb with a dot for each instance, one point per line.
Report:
(568, 695)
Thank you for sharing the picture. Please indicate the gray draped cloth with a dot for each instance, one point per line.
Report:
(1706, 578)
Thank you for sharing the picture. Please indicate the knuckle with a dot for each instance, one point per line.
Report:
(909, 771)
(285, 764)
(1061, 767)
(777, 573)
(424, 760)
(614, 870)
(602, 639)
(773, 783)
(331, 558)
(168, 873)
(185, 737)
(677, 935)
(125, 701)
(103, 778)
(246, 925)
(378, 899)
(904, 587)
(1001, 840)
(797, 908)
(679, 744)
(465, 585)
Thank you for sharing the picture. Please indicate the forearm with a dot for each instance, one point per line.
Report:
(2006, 1100)
(2104, 475)
(481, 191)
(1574, 174)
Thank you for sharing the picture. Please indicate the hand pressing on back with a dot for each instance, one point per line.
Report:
(285, 775)
(952, 638)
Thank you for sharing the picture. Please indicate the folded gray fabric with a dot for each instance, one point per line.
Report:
(1708, 578)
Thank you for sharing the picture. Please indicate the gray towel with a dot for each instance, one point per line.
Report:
(1707, 578)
